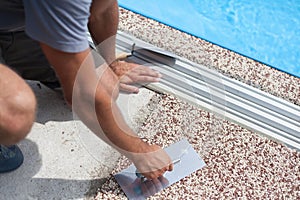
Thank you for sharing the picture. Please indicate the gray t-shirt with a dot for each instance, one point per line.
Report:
(61, 24)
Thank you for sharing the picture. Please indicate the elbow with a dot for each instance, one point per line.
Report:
(99, 9)
(70, 95)
(69, 99)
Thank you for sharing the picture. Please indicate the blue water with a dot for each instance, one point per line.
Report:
(267, 31)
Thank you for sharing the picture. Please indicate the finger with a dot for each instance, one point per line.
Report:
(146, 71)
(126, 79)
(143, 79)
(145, 190)
(161, 172)
(157, 184)
(150, 186)
(151, 175)
(163, 181)
(129, 88)
(143, 70)
(133, 78)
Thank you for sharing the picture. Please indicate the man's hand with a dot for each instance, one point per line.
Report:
(131, 74)
(151, 161)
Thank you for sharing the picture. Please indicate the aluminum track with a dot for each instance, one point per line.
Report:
(208, 89)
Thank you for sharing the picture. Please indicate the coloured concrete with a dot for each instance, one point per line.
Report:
(241, 164)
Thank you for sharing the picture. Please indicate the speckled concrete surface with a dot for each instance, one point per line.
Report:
(240, 164)
(227, 62)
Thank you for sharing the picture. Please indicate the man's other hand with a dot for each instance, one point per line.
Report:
(130, 75)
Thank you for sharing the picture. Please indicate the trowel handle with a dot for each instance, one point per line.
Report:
(139, 175)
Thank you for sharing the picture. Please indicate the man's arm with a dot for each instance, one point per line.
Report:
(93, 100)
(103, 25)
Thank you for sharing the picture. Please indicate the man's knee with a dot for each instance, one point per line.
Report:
(18, 117)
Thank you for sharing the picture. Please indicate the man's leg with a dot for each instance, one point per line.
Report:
(17, 114)
(17, 107)
(17, 101)
(25, 56)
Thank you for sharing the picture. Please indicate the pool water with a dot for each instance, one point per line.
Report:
(267, 31)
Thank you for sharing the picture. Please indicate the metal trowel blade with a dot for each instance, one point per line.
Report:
(137, 188)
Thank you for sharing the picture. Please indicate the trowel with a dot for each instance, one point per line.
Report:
(185, 159)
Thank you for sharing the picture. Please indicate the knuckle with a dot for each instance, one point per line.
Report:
(153, 176)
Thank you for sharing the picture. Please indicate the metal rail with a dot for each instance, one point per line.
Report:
(247, 106)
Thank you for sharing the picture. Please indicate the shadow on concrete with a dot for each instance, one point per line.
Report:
(15, 183)
(33, 180)
(28, 182)
(51, 104)
(52, 169)
(46, 188)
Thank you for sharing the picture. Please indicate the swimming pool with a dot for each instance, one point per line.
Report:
(267, 31)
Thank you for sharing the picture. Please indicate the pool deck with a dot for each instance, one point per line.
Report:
(240, 163)
(61, 161)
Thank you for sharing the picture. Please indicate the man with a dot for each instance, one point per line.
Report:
(38, 36)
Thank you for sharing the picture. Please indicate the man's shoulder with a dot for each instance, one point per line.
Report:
(62, 24)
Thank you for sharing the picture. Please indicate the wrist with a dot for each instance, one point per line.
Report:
(136, 148)
(120, 57)
(114, 64)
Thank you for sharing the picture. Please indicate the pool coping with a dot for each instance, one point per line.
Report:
(212, 56)
(235, 101)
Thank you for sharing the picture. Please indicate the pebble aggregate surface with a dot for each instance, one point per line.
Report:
(240, 163)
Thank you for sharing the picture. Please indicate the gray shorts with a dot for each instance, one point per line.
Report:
(25, 57)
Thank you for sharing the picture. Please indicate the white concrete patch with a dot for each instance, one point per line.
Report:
(134, 107)
(63, 159)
